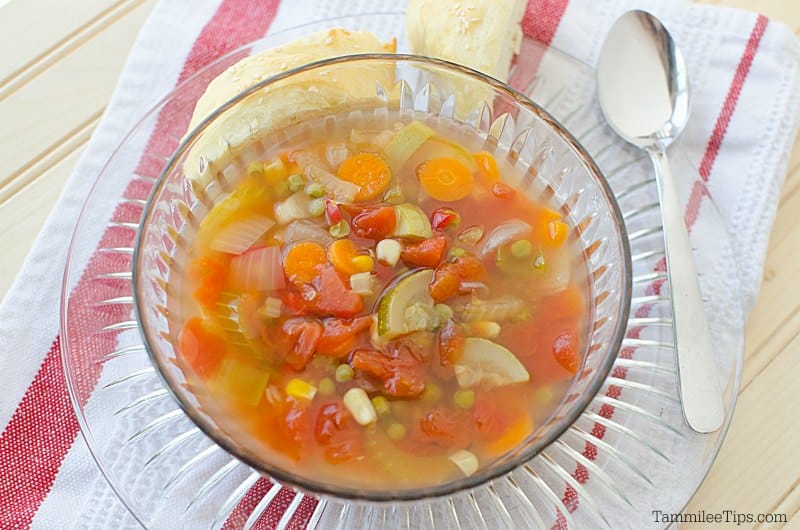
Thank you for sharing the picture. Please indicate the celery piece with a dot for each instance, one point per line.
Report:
(405, 142)
(241, 381)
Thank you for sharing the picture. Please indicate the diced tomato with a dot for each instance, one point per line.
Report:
(209, 273)
(503, 191)
(330, 295)
(200, 347)
(374, 222)
(447, 278)
(338, 335)
(293, 303)
(470, 268)
(307, 334)
(490, 419)
(445, 428)
(565, 350)
(444, 218)
(345, 445)
(402, 376)
(445, 283)
(451, 342)
(336, 429)
(332, 417)
(426, 253)
(295, 424)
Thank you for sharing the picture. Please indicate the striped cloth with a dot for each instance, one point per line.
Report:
(746, 100)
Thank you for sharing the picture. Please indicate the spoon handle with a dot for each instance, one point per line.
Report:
(699, 383)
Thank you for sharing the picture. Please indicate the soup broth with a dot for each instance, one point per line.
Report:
(381, 304)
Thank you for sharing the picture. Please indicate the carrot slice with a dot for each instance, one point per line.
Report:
(301, 261)
(445, 179)
(513, 436)
(201, 347)
(341, 253)
(487, 166)
(367, 171)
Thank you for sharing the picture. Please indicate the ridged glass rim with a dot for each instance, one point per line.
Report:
(559, 427)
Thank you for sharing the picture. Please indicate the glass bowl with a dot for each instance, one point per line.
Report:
(552, 161)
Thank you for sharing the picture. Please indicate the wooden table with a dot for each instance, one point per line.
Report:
(79, 47)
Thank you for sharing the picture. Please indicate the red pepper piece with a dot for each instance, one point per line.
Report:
(332, 212)
(402, 376)
(426, 253)
(444, 218)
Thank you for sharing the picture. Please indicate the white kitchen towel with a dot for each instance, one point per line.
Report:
(746, 91)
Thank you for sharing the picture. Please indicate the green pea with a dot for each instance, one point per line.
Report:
(381, 405)
(393, 195)
(340, 229)
(255, 170)
(432, 392)
(296, 182)
(316, 207)
(396, 431)
(521, 249)
(315, 190)
(464, 399)
(326, 386)
(444, 310)
(455, 253)
(344, 373)
(280, 190)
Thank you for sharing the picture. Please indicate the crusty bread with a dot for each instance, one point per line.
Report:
(285, 102)
(482, 34)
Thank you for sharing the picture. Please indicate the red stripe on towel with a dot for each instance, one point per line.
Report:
(43, 428)
(699, 190)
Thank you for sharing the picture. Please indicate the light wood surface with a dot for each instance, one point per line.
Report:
(80, 47)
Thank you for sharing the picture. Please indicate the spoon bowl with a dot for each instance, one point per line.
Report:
(643, 90)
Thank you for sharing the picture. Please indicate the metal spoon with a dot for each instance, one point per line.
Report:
(643, 88)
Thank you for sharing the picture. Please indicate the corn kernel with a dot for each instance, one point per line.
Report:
(485, 329)
(363, 263)
(464, 399)
(358, 404)
(300, 389)
(388, 252)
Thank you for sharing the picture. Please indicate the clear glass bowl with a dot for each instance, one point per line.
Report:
(552, 161)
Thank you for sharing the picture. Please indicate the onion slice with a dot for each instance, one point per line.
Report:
(505, 233)
(315, 170)
(306, 230)
(240, 235)
(258, 269)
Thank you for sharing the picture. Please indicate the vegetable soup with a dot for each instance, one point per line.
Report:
(383, 305)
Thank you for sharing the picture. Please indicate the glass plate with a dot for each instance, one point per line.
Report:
(630, 453)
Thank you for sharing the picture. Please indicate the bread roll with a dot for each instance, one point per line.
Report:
(285, 102)
(482, 34)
